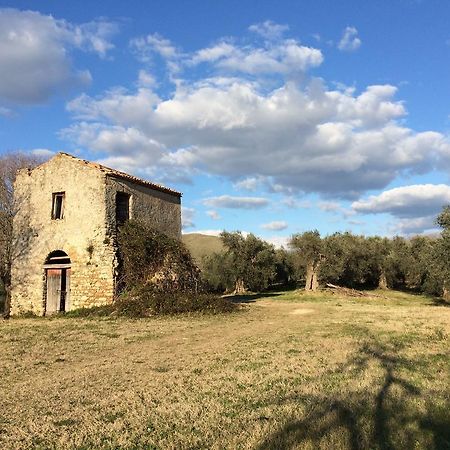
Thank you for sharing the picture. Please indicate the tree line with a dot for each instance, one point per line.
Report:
(420, 263)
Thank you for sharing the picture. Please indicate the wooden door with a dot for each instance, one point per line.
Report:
(53, 291)
(67, 308)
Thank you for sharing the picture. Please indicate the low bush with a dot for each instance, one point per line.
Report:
(147, 302)
(148, 257)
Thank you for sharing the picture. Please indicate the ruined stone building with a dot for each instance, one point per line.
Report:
(64, 247)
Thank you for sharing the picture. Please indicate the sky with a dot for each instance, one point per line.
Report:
(272, 117)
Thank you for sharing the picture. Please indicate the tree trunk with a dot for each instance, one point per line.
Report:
(312, 276)
(239, 287)
(309, 276)
(382, 282)
(7, 306)
(446, 292)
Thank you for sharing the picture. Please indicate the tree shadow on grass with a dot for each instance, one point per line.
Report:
(438, 301)
(386, 420)
(251, 298)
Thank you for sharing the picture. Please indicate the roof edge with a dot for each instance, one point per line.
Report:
(122, 175)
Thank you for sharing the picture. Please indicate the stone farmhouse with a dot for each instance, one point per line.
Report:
(65, 228)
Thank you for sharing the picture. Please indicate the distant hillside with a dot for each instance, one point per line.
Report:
(201, 245)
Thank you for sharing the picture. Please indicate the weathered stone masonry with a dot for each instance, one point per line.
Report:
(86, 233)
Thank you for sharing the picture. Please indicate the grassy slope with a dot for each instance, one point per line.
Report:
(201, 245)
(290, 371)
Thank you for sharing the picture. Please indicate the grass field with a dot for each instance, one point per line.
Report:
(288, 371)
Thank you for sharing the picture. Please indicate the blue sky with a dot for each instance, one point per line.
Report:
(271, 117)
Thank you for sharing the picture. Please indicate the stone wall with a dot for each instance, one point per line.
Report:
(159, 209)
(87, 231)
(82, 234)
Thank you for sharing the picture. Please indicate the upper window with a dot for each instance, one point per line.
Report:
(58, 205)
(122, 207)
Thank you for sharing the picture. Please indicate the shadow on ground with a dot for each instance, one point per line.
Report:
(436, 301)
(251, 298)
(396, 416)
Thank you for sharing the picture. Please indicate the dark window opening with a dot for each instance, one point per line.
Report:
(58, 257)
(58, 205)
(122, 207)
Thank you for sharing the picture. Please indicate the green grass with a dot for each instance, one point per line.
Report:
(293, 370)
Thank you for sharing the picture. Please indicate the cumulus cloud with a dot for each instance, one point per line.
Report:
(228, 201)
(292, 137)
(350, 40)
(187, 217)
(35, 54)
(415, 201)
(275, 225)
(285, 58)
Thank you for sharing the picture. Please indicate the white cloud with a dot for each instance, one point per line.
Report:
(278, 241)
(151, 44)
(228, 201)
(187, 217)
(418, 225)
(249, 183)
(413, 201)
(35, 54)
(350, 40)
(286, 57)
(275, 225)
(43, 152)
(211, 54)
(213, 214)
(292, 137)
(269, 29)
(146, 79)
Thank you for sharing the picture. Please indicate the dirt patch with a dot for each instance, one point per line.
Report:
(301, 311)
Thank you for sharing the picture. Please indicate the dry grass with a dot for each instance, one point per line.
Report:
(290, 371)
(201, 245)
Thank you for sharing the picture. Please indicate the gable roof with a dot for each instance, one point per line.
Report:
(122, 175)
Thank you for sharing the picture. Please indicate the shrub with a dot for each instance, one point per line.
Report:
(159, 276)
(146, 301)
(148, 257)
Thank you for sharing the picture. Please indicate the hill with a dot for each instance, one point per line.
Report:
(201, 245)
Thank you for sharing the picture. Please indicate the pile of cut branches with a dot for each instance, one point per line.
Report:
(348, 292)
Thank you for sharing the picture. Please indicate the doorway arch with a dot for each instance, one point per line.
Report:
(57, 268)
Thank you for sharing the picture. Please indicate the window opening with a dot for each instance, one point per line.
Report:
(122, 207)
(58, 205)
